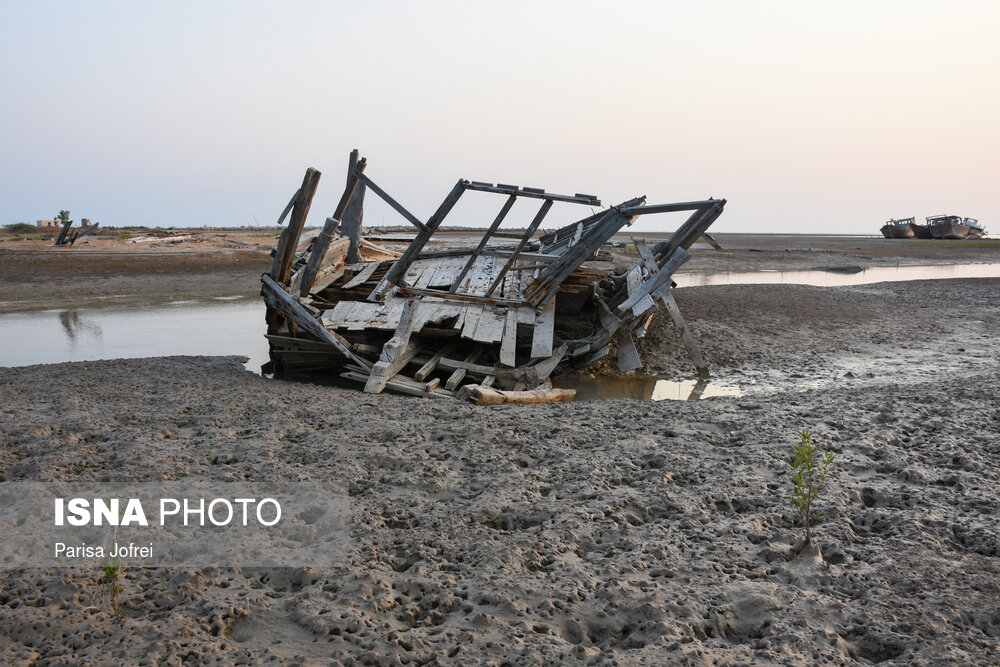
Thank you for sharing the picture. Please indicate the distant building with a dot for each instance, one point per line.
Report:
(49, 223)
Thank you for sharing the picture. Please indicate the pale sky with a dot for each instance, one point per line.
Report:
(809, 117)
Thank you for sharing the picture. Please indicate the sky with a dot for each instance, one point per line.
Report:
(807, 117)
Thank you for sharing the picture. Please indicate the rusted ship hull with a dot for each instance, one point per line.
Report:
(891, 231)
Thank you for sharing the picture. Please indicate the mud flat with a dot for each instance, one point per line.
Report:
(631, 531)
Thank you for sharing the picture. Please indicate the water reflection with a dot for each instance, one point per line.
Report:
(644, 388)
(86, 334)
(74, 325)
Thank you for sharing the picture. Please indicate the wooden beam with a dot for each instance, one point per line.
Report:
(414, 220)
(433, 362)
(482, 242)
(536, 193)
(394, 276)
(285, 252)
(397, 352)
(321, 245)
(689, 341)
(628, 356)
(532, 228)
(280, 300)
(508, 344)
(541, 342)
(354, 215)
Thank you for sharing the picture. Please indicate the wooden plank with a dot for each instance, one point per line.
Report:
(285, 303)
(491, 326)
(537, 193)
(362, 277)
(395, 274)
(400, 384)
(541, 342)
(644, 303)
(508, 345)
(628, 356)
(482, 242)
(397, 352)
(433, 362)
(472, 315)
(689, 341)
(459, 374)
(318, 254)
(657, 280)
(285, 252)
(354, 214)
(633, 279)
(412, 219)
(526, 315)
(532, 228)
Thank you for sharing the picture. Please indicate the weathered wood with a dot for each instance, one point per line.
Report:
(433, 362)
(397, 352)
(482, 242)
(401, 385)
(283, 302)
(541, 342)
(490, 328)
(657, 280)
(537, 193)
(689, 341)
(628, 356)
(395, 274)
(289, 239)
(318, 254)
(481, 395)
(288, 208)
(459, 373)
(362, 277)
(354, 214)
(412, 219)
(532, 228)
(711, 240)
(508, 344)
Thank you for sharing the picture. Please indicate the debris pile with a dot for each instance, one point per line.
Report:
(487, 323)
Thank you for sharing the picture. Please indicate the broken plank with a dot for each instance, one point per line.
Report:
(433, 362)
(541, 342)
(628, 356)
(508, 344)
(397, 352)
(362, 277)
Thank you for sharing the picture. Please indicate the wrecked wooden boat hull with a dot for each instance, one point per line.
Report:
(434, 321)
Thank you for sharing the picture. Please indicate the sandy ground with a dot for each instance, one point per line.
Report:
(604, 532)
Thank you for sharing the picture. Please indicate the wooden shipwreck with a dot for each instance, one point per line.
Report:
(487, 322)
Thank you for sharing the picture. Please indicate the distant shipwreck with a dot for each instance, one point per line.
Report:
(487, 322)
(937, 227)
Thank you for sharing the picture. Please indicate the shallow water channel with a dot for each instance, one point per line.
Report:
(225, 327)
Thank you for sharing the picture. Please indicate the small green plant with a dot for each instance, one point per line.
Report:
(111, 580)
(809, 471)
(112, 571)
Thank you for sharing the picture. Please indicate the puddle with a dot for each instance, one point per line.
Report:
(87, 334)
(644, 388)
(839, 276)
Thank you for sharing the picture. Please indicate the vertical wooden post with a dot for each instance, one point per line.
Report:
(285, 252)
(354, 215)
